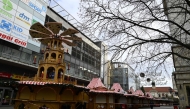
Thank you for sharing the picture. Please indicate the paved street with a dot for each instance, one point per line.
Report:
(6, 107)
(161, 107)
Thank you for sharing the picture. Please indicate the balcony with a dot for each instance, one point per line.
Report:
(19, 57)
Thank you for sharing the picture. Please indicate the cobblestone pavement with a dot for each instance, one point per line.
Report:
(161, 107)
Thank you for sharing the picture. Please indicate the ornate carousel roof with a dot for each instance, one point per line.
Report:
(46, 33)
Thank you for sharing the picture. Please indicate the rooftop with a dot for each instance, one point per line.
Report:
(158, 89)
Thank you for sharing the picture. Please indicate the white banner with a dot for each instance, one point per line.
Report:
(12, 39)
(37, 6)
(7, 9)
(23, 18)
(9, 28)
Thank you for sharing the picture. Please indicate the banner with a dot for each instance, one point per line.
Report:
(16, 76)
(23, 18)
(5, 75)
(36, 6)
(8, 9)
(13, 33)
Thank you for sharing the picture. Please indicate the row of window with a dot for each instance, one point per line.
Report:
(85, 58)
(77, 67)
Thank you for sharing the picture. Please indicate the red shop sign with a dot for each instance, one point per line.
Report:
(5, 75)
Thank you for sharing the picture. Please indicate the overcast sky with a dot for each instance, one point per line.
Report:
(72, 7)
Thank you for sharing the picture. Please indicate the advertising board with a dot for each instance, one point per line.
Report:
(15, 21)
(36, 6)
(12, 39)
(23, 18)
(5, 75)
(7, 9)
(13, 33)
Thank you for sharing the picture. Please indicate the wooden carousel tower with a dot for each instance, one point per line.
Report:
(52, 68)
(49, 89)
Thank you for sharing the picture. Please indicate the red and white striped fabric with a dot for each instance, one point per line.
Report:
(32, 82)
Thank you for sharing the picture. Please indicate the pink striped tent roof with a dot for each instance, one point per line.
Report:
(117, 88)
(97, 86)
(107, 91)
(139, 92)
(149, 95)
(95, 83)
(130, 92)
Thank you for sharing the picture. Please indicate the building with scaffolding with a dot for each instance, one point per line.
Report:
(20, 54)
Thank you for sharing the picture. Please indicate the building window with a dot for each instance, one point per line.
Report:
(6, 95)
(188, 93)
(79, 44)
(74, 52)
(78, 54)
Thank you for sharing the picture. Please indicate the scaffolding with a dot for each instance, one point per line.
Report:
(62, 12)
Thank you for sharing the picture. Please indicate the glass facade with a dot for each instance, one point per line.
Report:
(121, 73)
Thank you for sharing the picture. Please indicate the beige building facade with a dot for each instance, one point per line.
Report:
(181, 75)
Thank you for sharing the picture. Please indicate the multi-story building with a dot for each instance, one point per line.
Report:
(20, 54)
(104, 62)
(176, 11)
(160, 92)
(123, 74)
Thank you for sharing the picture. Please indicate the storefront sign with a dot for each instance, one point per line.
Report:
(14, 30)
(13, 39)
(12, 33)
(8, 9)
(15, 33)
(23, 18)
(5, 75)
(37, 6)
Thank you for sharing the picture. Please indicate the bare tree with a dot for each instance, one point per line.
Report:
(138, 30)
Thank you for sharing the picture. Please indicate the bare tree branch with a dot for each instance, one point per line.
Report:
(138, 30)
